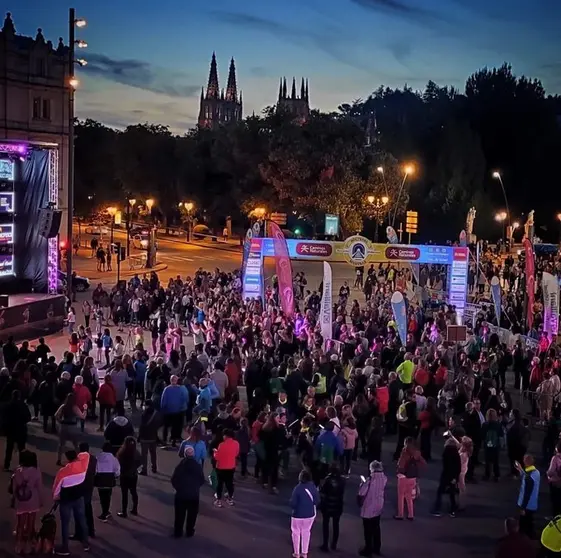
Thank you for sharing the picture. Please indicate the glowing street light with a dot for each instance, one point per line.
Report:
(497, 176)
(385, 200)
(259, 212)
(408, 169)
(515, 225)
(150, 204)
(380, 170)
(371, 199)
(189, 206)
(500, 216)
(73, 82)
(81, 44)
(80, 22)
(132, 202)
(112, 210)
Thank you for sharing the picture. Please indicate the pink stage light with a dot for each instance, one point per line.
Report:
(14, 148)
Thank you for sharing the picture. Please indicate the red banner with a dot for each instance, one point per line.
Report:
(284, 269)
(530, 281)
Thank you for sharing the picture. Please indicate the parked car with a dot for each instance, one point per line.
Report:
(82, 283)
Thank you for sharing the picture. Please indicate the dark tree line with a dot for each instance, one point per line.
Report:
(455, 141)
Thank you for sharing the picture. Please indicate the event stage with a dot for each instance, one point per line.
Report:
(31, 315)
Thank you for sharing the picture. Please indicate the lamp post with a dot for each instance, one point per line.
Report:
(378, 205)
(112, 211)
(151, 248)
(130, 206)
(497, 176)
(72, 84)
(407, 170)
(189, 208)
(500, 217)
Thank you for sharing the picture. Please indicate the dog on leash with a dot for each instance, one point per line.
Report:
(46, 536)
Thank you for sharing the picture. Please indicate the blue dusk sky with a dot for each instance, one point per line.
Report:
(148, 60)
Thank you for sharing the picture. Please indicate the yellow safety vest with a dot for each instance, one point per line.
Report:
(321, 388)
(551, 535)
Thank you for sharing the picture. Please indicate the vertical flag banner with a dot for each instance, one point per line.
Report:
(400, 315)
(326, 311)
(463, 239)
(496, 294)
(253, 277)
(550, 288)
(530, 282)
(246, 247)
(283, 269)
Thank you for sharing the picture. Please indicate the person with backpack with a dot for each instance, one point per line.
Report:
(491, 434)
(409, 464)
(150, 422)
(26, 488)
(328, 449)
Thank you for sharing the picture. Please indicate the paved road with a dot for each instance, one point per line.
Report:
(258, 524)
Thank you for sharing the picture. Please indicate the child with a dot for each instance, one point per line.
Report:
(73, 343)
(139, 335)
(243, 437)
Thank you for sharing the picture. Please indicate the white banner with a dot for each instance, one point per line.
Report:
(326, 312)
(550, 288)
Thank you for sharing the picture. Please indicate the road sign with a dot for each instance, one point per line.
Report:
(278, 218)
(411, 222)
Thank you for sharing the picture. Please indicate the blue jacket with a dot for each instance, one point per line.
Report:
(175, 399)
(529, 489)
(198, 447)
(329, 438)
(204, 400)
(303, 506)
(139, 370)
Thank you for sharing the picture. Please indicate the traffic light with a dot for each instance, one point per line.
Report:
(411, 222)
(62, 244)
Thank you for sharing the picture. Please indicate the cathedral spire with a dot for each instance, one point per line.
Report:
(293, 96)
(284, 89)
(212, 91)
(280, 89)
(307, 94)
(302, 90)
(232, 87)
(9, 27)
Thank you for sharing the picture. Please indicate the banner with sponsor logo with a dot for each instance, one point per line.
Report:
(400, 315)
(326, 311)
(530, 282)
(252, 286)
(283, 269)
(550, 287)
(505, 335)
(246, 247)
(471, 312)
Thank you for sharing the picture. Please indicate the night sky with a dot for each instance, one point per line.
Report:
(148, 60)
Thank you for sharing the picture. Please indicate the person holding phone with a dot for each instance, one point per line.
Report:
(371, 497)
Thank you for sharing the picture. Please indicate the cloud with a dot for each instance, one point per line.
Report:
(403, 9)
(141, 75)
(401, 50)
(258, 71)
(331, 41)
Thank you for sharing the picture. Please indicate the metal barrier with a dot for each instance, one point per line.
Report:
(137, 261)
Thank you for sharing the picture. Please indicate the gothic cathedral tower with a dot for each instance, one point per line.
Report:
(299, 106)
(216, 107)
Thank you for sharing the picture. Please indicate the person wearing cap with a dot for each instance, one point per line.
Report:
(371, 500)
(187, 479)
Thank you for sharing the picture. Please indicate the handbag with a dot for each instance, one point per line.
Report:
(360, 498)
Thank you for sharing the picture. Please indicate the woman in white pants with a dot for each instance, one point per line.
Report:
(303, 502)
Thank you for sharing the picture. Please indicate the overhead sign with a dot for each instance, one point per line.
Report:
(331, 225)
(278, 218)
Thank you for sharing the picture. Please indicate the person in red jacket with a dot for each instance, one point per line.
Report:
(225, 456)
(383, 398)
(83, 397)
(107, 397)
(422, 376)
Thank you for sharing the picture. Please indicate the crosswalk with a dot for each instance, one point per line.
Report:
(175, 257)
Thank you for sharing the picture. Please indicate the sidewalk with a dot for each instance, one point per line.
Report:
(86, 266)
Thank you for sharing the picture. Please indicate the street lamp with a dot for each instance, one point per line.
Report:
(497, 176)
(151, 248)
(378, 205)
(73, 83)
(112, 211)
(130, 205)
(408, 169)
(149, 204)
(500, 217)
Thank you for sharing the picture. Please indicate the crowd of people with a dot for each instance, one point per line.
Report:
(321, 406)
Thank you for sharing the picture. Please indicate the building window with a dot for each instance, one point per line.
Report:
(41, 67)
(37, 107)
(46, 109)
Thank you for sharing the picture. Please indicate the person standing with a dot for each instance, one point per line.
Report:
(106, 473)
(303, 502)
(129, 460)
(26, 488)
(371, 499)
(174, 403)
(332, 492)
(554, 478)
(491, 434)
(68, 415)
(88, 493)
(529, 495)
(150, 423)
(16, 416)
(68, 491)
(225, 456)
(514, 544)
(408, 468)
(449, 477)
(187, 479)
